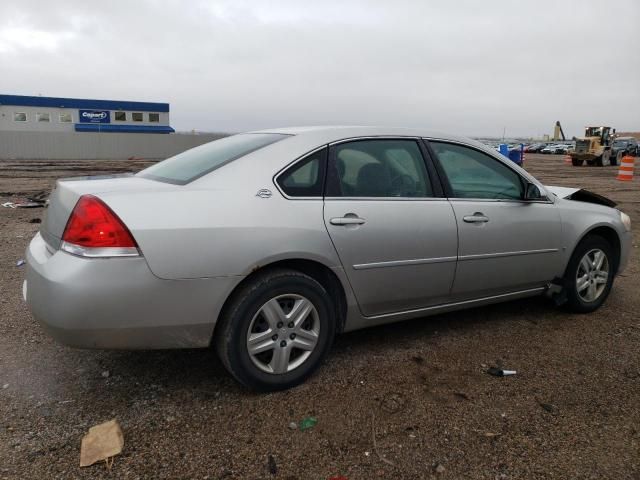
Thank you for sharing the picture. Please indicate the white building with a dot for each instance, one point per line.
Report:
(52, 114)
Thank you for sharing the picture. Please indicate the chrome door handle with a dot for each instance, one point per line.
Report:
(346, 221)
(476, 218)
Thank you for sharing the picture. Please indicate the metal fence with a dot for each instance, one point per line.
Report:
(97, 146)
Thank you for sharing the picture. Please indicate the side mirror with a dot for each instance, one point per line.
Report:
(532, 192)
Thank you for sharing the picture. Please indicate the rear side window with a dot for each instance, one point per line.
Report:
(378, 168)
(473, 174)
(192, 164)
(306, 177)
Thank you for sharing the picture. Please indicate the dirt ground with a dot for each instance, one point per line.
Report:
(409, 400)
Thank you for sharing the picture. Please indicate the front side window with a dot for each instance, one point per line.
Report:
(66, 118)
(136, 116)
(196, 162)
(474, 174)
(19, 117)
(120, 116)
(154, 117)
(378, 168)
(43, 117)
(306, 177)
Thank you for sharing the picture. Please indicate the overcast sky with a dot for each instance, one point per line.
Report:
(466, 67)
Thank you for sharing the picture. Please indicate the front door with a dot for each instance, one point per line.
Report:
(397, 241)
(505, 243)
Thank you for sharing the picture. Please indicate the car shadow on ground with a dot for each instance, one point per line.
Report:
(200, 369)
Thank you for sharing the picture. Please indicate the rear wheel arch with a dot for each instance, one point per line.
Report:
(314, 269)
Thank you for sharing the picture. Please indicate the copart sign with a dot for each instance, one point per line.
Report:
(95, 116)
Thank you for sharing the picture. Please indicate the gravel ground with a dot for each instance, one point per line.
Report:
(409, 400)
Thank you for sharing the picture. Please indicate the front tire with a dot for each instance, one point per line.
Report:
(276, 331)
(604, 160)
(589, 275)
(618, 159)
(577, 162)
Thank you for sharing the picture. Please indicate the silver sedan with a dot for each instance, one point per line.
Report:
(266, 245)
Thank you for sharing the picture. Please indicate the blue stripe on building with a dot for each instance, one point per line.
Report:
(82, 103)
(102, 127)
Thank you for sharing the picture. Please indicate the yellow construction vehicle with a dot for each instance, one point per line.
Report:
(595, 147)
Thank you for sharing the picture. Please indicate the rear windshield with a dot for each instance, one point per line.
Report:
(187, 166)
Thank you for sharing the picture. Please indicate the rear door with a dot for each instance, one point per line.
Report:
(395, 236)
(505, 243)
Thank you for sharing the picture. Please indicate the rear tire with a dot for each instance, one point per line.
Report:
(586, 285)
(262, 347)
(604, 160)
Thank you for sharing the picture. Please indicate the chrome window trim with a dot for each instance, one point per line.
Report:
(375, 137)
(100, 252)
(395, 199)
(500, 200)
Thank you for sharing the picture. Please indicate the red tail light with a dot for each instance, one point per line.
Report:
(93, 225)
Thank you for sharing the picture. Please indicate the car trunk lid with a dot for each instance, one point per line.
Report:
(67, 191)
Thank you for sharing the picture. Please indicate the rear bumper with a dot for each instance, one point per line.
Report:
(117, 303)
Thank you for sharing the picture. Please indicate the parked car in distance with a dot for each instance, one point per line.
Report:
(549, 149)
(265, 245)
(562, 149)
(556, 149)
(621, 147)
(535, 148)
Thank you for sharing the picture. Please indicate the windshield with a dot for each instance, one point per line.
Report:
(192, 164)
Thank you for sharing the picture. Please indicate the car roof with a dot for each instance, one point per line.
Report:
(338, 132)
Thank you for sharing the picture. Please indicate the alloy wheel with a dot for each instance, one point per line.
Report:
(592, 275)
(283, 333)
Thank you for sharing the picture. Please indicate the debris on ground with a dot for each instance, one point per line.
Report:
(392, 403)
(37, 200)
(41, 196)
(105, 374)
(439, 468)
(20, 262)
(101, 443)
(273, 468)
(462, 395)
(23, 204)
(308, 423)
(293, 425)
(548, 407)
(500, 372)
(35, 220)
(418, 359)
